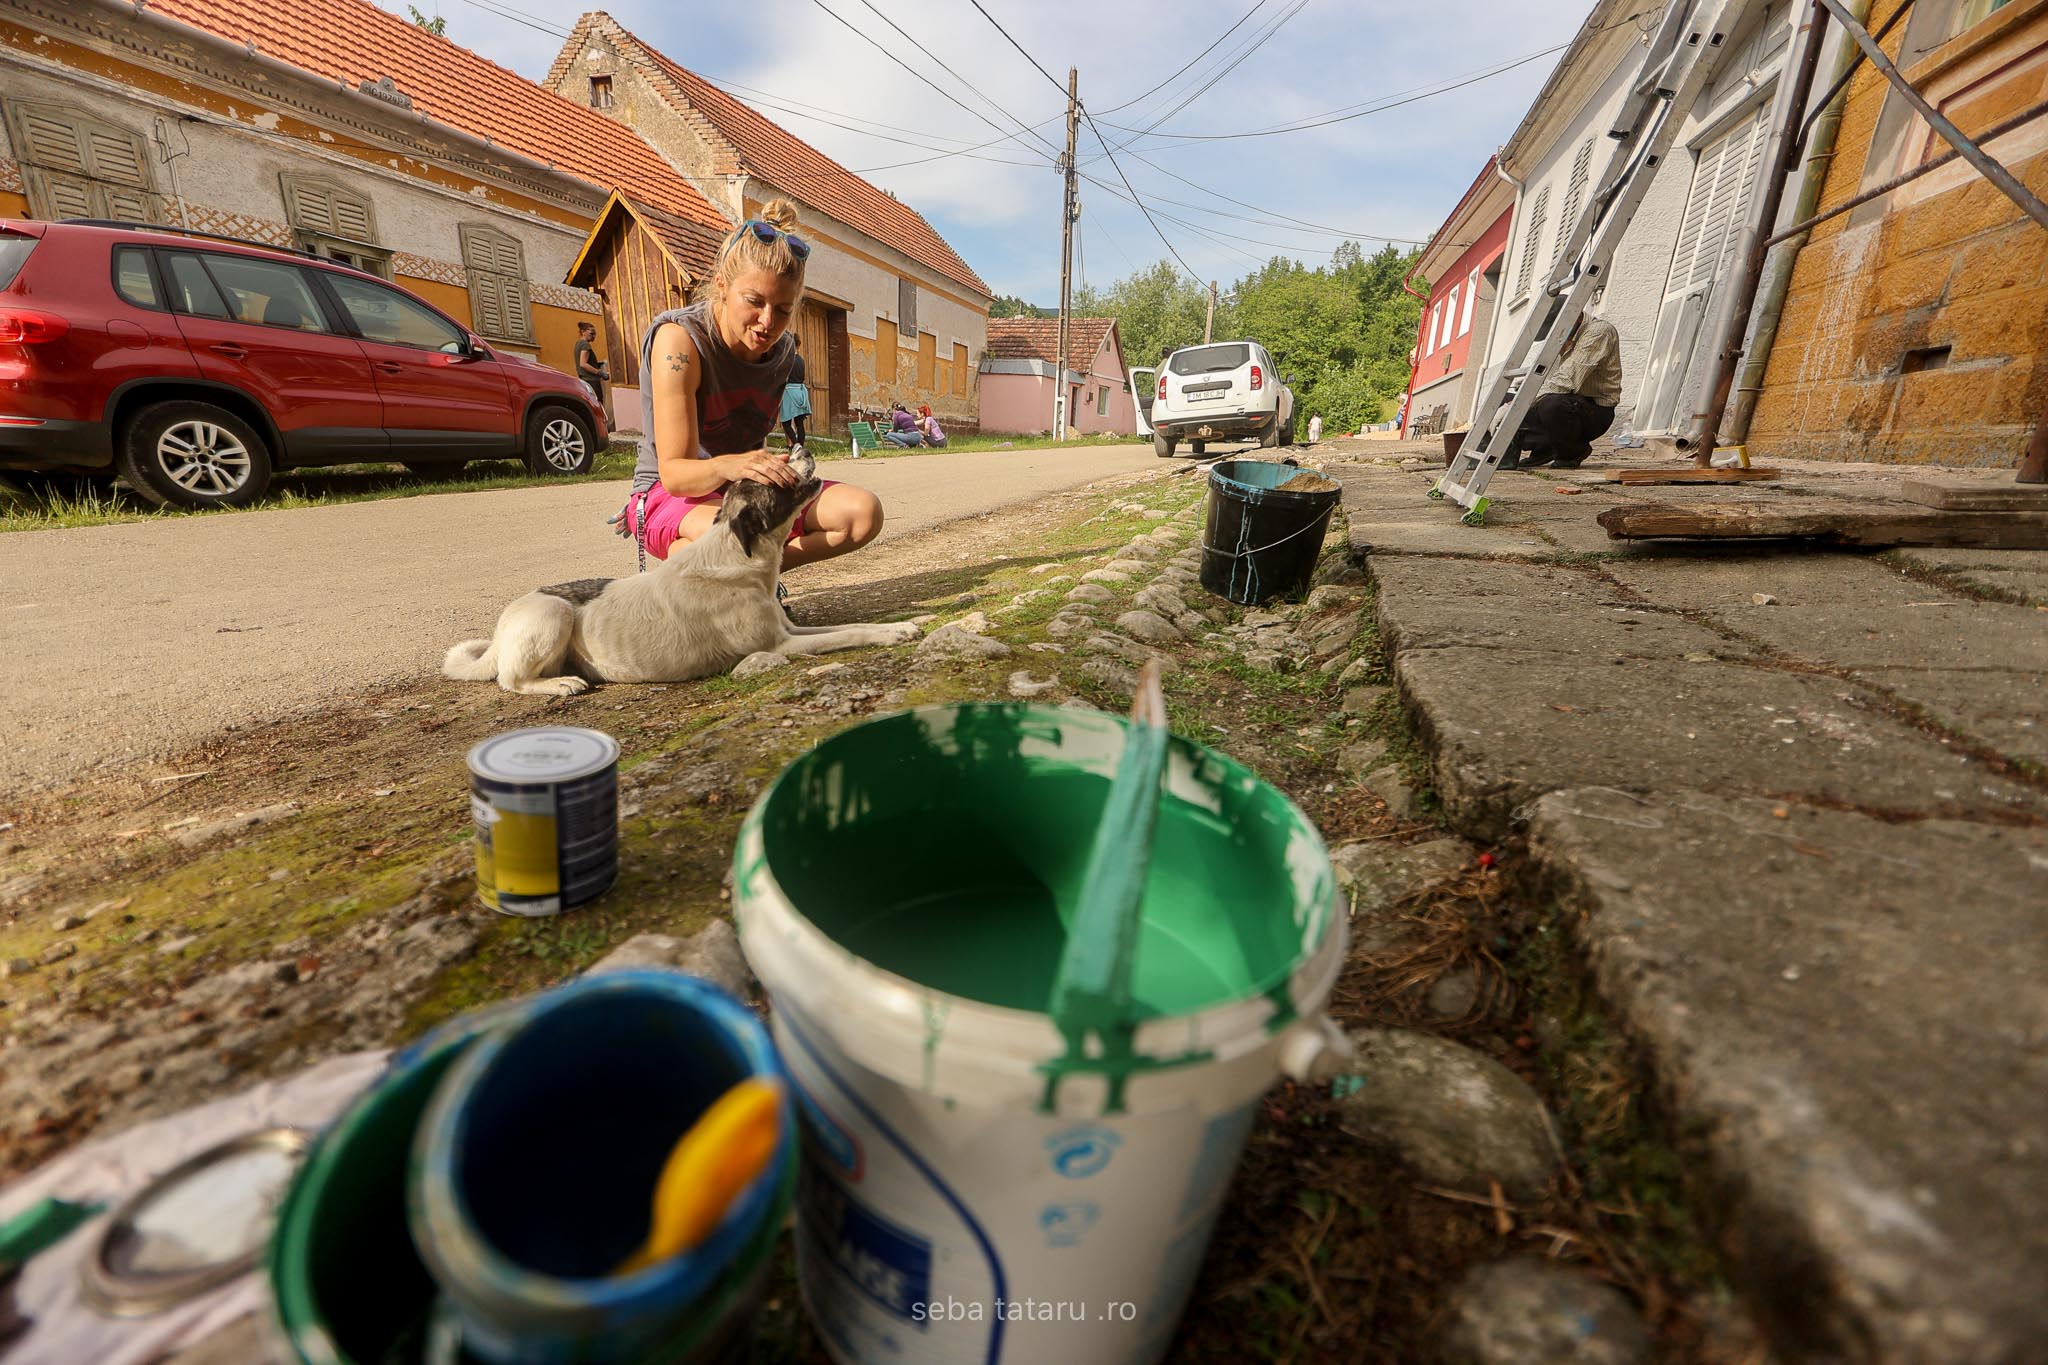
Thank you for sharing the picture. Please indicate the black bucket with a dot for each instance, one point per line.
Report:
(1259, 541)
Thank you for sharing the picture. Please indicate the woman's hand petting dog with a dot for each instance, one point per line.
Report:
(759, 466)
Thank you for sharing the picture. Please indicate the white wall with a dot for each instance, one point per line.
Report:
(1636, 276)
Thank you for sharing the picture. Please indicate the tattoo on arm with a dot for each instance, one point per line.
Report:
(675, 360)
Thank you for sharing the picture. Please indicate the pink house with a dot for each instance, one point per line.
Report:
(1017, 376)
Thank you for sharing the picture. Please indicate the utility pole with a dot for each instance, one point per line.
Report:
(1069, 210)
(1209, 322)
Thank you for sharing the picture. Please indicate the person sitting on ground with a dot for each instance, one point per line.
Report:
(592, 371)
(717, 370)
(1577, 401)
(903, 432)
(796, 395)
(929, 428)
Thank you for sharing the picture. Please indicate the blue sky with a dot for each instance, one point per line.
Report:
(1395, 173)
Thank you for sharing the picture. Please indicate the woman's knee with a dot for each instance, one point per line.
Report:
(853, 512)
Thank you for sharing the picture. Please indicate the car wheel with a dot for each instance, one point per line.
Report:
(1270, 437)
(190, 454)
(1161, 445)
(1287, 433)
(558, 442)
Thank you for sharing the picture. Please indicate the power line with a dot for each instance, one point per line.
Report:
(1278, 218)
(1190, 62)
(1104, 142)
(1347, 112)
(1224, 69)
(957, 76)
(1020, 47)
(871, 41)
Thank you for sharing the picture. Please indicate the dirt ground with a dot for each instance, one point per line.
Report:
(176, 931)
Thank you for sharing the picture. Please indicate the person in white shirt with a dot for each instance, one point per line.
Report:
(1315, 428)
(1577, 401)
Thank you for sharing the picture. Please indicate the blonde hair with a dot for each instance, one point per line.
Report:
(743, 251)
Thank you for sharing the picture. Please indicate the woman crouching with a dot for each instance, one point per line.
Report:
(714, 373)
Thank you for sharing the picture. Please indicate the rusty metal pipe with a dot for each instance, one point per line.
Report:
(2034, 467)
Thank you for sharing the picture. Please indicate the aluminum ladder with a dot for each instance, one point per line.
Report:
(1684, 52)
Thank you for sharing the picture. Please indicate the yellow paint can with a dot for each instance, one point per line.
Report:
(546, 806)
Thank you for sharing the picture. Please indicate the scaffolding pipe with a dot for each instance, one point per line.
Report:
(1751, 247)
(1987, 166)
(1817, 141)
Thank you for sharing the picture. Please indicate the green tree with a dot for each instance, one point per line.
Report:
(437, 25)
(1010, 306)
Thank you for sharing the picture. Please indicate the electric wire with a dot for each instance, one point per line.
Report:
(1221, 71)
(960, 78)
(1190, 62)
(1134, 194)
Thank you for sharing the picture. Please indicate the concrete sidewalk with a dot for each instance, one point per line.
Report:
(1797, 804)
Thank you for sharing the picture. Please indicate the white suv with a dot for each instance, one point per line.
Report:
(1222, 391)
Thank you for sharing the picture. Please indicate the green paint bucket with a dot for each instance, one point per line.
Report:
(904, 892)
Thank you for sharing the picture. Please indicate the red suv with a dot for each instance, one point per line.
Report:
(194, 366)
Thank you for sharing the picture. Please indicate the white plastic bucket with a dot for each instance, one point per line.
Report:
(945, 1215)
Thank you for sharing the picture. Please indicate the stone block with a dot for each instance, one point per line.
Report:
(1912, 283)
(1529, 1311)
(2002, 260)
(1454, 1116)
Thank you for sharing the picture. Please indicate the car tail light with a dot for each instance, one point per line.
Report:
(1162, 388)
(1258, 379)
(21, 327)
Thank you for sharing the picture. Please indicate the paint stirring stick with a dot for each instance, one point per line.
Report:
(1092, 994)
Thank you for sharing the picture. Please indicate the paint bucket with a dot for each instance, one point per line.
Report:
(1453, 442)
(903, 892)
(1260, 541)
(346, 1285)
(535, 1167)
(546, 806)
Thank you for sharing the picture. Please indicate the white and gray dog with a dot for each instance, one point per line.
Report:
(710, 604)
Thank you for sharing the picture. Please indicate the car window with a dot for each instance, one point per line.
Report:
(382, 314)
(1221, 358)
(266, 292)
(132, 278)
(13, 254)
(191, 290)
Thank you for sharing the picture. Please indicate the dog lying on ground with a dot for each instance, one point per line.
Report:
(710, 604)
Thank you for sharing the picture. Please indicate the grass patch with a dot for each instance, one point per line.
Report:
(76, 503)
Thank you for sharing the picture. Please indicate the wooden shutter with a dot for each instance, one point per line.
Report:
(332, 210)
(127, 205)
(1532, 237)
(1574, 196)
(117, 157)
(906, 307)
(61, 196)
(500, 297)
(51, 140)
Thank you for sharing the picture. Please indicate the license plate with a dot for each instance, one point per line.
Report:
(1205, 397)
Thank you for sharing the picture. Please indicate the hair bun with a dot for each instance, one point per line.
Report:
(779, 213)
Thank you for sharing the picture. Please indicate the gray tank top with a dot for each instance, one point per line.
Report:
(737, 400)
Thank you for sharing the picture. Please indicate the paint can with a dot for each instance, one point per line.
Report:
(534, 1166)
(546, 806)
(903, 891)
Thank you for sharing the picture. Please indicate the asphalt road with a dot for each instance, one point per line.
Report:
(133, 641)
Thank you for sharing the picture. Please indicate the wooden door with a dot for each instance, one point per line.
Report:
(816, 339)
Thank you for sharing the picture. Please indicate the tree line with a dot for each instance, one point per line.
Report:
(1340, 334)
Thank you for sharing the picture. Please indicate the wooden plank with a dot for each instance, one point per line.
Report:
(1873, 526)
(1694, 474)
(1977, 497)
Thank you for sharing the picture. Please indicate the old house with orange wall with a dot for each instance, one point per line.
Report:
(891, 312)
(328, 125)
(1915, 329)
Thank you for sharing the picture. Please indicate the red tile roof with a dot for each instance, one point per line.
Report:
(745, 141)
(1039, 339)
(352, 41)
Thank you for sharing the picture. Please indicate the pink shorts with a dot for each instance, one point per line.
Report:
(665, 513)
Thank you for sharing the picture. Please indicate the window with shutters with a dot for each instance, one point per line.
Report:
(1532, 237)
(79, 166)
(906, 309)
(1471, 293)
(1574, 196)
(600, 92)
(499, 301)
(330, 219)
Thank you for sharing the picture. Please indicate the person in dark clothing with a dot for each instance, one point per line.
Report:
(589, 368)
(796, 397)
(1577, 402)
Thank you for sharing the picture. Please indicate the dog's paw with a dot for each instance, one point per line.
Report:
(559, 687)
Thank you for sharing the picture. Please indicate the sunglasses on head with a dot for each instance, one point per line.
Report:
(767, 232)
